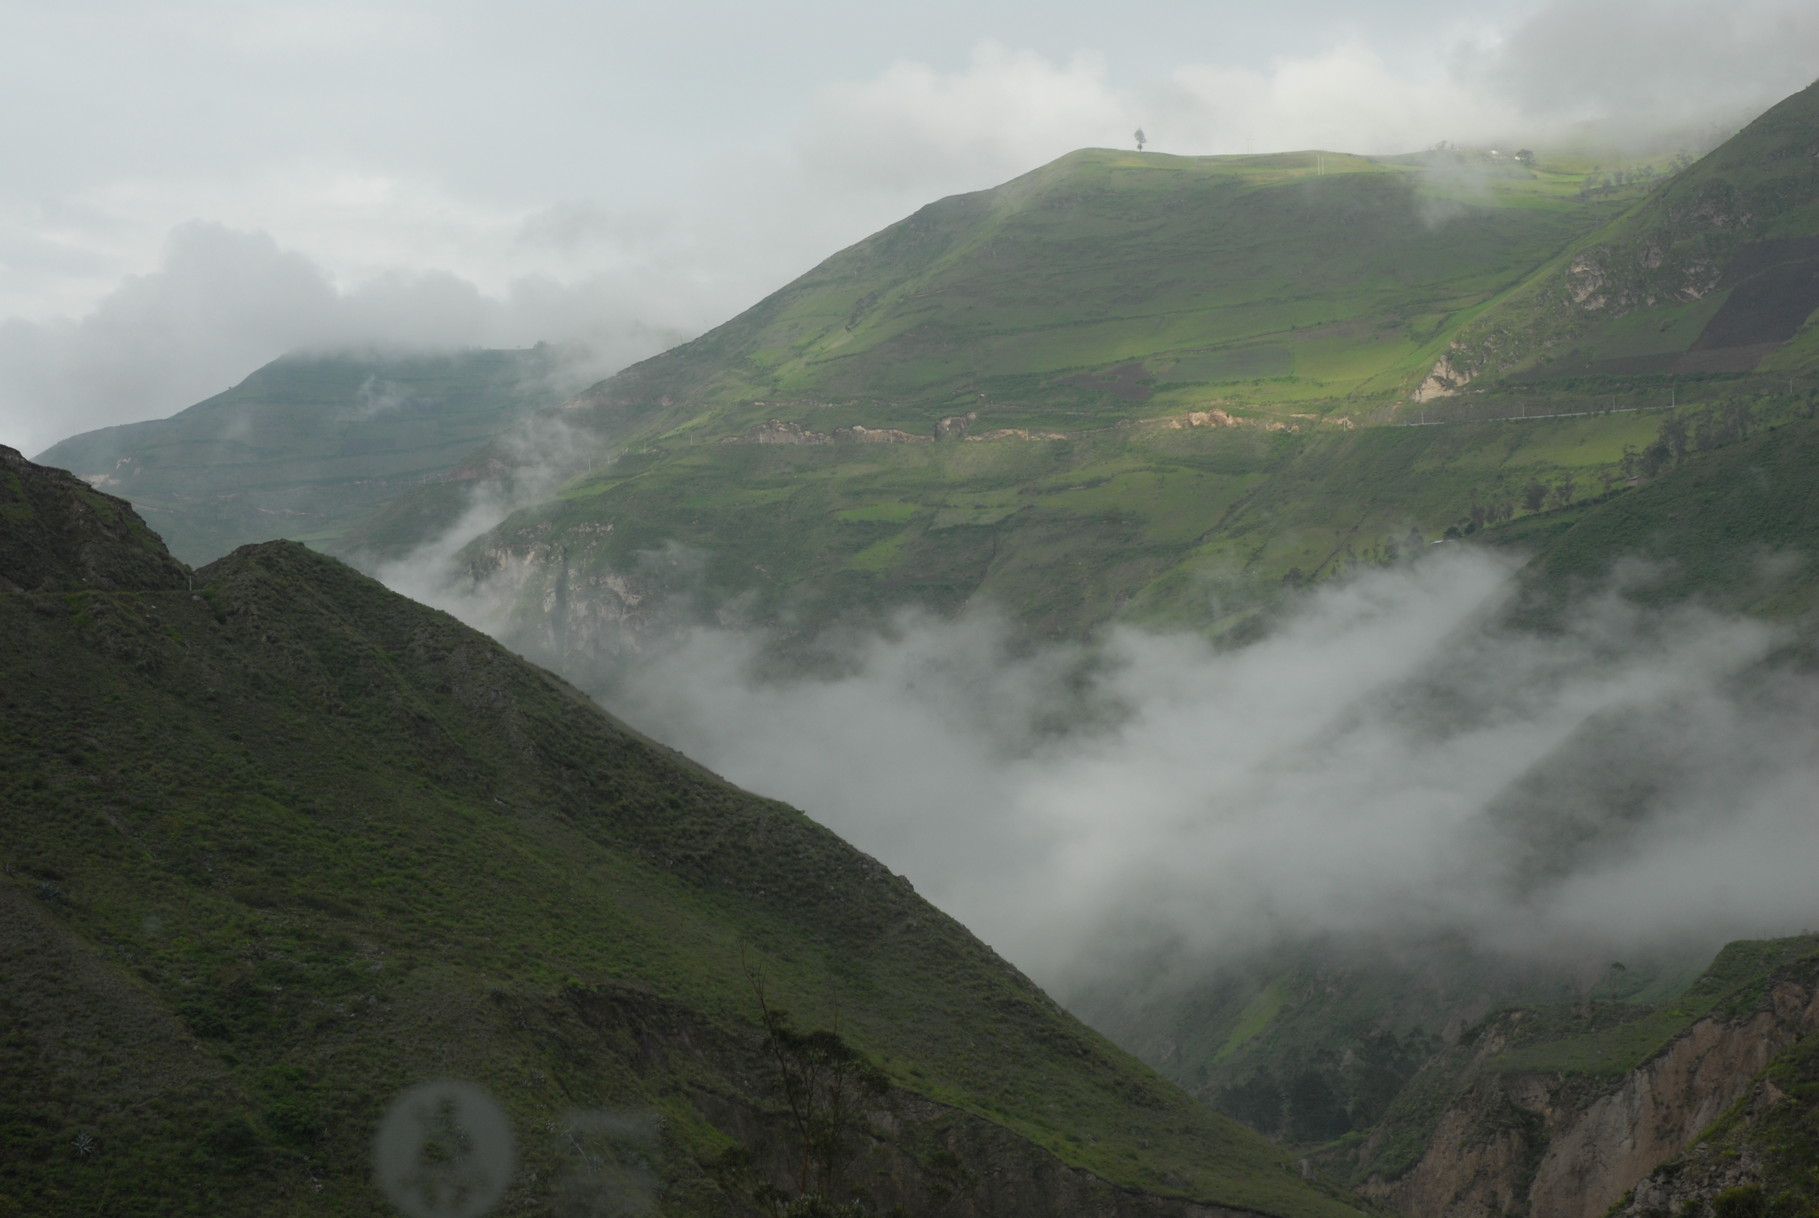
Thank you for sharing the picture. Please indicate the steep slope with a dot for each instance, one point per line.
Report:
(1736, 527)
(1102, 290)
(1108, 284)
(310, 443)
(1558, 1112)
(1761, 1159)
(57, 534)
(1716, 272)
(276, 847)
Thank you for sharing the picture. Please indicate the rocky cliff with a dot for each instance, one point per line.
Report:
(1572, 1140)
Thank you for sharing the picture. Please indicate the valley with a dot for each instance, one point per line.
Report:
(1390, 740)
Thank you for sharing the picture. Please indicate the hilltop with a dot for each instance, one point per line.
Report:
(1115, 285)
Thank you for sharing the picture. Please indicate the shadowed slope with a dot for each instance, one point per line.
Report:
(278, 847)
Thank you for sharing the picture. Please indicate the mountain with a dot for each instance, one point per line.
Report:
(1177, 392)
(1112, 386)
(310, 443)
(1114, 285)
(1154, 388)
(277, 844)
(1715, 272)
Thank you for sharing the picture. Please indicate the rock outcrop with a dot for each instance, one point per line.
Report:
(1560, 1145)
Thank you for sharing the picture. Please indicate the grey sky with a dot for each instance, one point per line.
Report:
(191, 188)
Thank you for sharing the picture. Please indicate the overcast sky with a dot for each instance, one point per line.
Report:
(189, 189)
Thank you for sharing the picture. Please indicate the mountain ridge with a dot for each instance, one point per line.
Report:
(315, 842)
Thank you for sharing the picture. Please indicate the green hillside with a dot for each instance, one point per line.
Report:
(1135, 385)
(1715, 272)
(276, 843)
(1736, 528)
(1111, 285)
(309, 443)
(1120, 384)
(1173, 526)
(1174, 391)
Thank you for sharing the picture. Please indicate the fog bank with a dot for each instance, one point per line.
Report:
(1391, 762)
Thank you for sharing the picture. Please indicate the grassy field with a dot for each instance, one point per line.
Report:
(1713, 271)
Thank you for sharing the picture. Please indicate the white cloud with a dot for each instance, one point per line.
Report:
(670, 168)
(222, 302)
(1005, 112)
(1390, 764)
(1347, 98)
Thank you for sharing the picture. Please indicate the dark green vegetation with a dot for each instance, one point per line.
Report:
(310, 443)
(281, 843)
(1737, 527)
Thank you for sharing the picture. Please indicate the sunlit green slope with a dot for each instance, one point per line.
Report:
(1109, 285)
(1144, 373)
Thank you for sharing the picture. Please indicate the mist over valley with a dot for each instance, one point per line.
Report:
(1261, 666)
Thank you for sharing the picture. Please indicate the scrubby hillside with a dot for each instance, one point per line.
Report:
(276, 843)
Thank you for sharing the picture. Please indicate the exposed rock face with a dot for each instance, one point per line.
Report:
(1017, 433)
(1443, 379)
(955, 427)
(1556, 1146)
(1762, 1157)
(959, 427)
(573, 609)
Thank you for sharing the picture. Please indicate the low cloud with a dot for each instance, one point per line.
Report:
(223, 302)
(146, 271)
(1391, 763)
(1642, 66)
(1004, 113)
(1631, 72)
